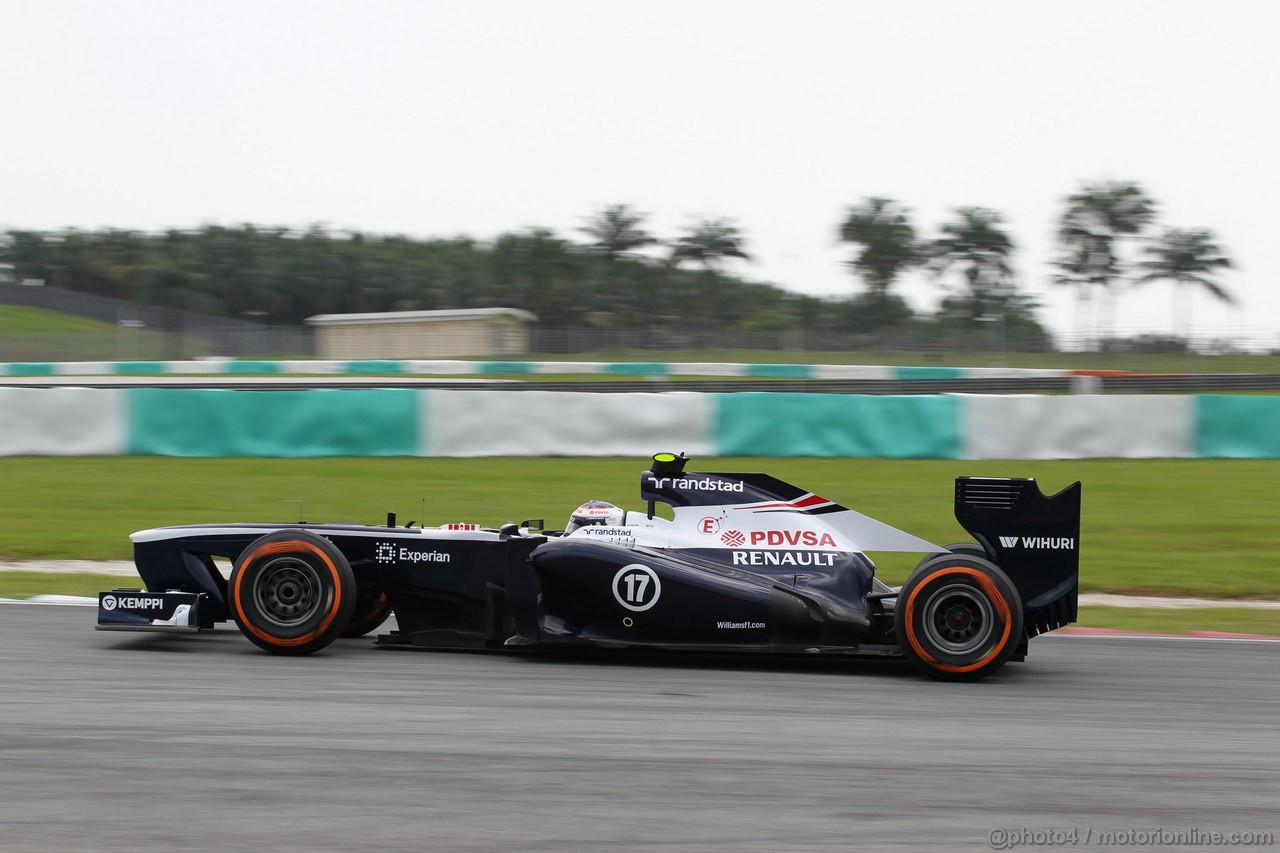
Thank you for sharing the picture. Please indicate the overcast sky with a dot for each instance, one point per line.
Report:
(443, 118)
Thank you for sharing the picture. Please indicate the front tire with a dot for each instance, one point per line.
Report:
(958, 617)
(372, 608)
(292, 592)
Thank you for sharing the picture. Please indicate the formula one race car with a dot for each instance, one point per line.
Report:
(747, 564)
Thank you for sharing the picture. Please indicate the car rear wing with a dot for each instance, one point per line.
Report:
(1035, 539)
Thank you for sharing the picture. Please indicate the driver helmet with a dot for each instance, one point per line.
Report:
(595, 512)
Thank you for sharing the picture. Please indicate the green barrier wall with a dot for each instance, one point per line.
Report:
(374, 366)
(929, 372)
(318, 422)
(905, 427)
(30, 369)
(780, 371)
(399, 422)
(127, 368)
(1237, 427)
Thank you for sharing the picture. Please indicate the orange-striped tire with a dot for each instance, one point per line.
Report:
(292, 592)
(372, 609)
(968, 549)
(958, 617)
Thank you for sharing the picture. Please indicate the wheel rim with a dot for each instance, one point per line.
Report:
(287, 591)
(958, 619)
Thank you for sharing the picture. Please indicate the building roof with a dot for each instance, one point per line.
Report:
(421, 316)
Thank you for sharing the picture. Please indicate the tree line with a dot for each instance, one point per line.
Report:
(615, 273)
(282, 276)
(1097, 230)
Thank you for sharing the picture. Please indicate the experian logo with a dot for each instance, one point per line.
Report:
(390, 553)
(407, 556)
(1041, 543)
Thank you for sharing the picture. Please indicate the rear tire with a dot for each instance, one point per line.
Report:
(292, 592)
(958, 617)
(968, 549)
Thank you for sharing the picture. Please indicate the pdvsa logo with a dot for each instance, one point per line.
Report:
(811, 538)
(733, 538)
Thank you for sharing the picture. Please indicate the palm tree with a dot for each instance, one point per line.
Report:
(1188, 258)
(1076, 271)
(883, 230)
(976, 244)
(616, 231)
(709, 242)
(1096, 219)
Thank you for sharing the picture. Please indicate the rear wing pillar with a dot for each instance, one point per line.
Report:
(1035, 539)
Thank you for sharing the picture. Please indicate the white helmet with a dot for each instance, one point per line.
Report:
(595, 512)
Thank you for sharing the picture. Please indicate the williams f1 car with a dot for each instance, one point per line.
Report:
(747, 563)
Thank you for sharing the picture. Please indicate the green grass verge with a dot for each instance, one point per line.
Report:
(28, 584)
(35, 334)
(16, 319)
(1236, 620)
(1170, 527)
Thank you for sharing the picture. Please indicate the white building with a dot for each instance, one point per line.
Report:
(461, 333)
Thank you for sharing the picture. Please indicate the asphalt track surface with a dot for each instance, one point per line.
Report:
(112, 741)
